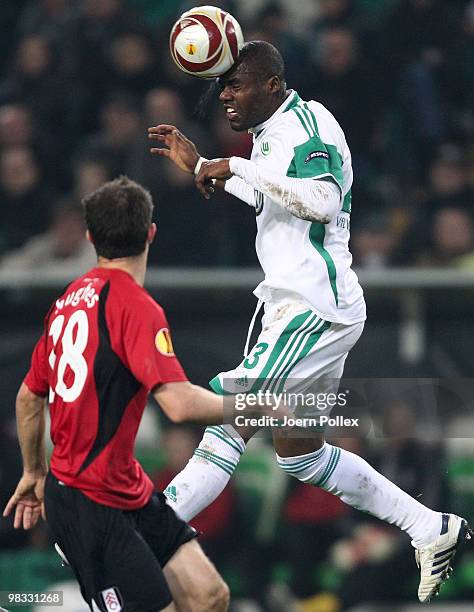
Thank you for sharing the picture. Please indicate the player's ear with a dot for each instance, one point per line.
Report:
(151, 233)
(89, 237)
(274, 84)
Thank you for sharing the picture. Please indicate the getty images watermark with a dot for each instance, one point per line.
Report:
(306, 410)
(429, 409)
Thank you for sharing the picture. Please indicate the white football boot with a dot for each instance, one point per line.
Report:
(434, 561)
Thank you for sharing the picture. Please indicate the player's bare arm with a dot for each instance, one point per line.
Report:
(29, 494)
(184, 402)
(307, 199)
(180, 150)
(177, 147)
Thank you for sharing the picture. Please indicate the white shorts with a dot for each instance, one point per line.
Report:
(294, 350)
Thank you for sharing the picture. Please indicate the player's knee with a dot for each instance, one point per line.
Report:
(214, 596)
(219, 596)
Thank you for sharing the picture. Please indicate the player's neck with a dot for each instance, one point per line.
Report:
(276, 104)
(135, 266)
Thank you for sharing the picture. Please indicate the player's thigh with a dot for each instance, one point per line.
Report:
(321, 368)
(161, 528)
(285, 328)
(194, 582)
(130, 563)
(111, 561)
(196, 586)
(316, 376)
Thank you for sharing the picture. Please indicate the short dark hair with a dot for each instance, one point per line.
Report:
(263, 57)
(118, 216)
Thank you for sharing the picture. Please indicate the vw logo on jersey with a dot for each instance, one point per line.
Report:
(258, 201)
(265, 147)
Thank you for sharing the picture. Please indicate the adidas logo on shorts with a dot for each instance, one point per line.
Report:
(243, 381)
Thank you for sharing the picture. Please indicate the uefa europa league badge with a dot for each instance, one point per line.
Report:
(265, 147)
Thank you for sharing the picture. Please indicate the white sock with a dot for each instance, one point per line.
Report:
(207, 472)
(357, 483)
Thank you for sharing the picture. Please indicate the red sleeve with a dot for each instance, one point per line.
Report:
(148, 347)
(37, 377)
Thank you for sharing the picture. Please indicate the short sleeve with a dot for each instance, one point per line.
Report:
(314, 159)
(148, 346)
(313, 156)
(37, 377)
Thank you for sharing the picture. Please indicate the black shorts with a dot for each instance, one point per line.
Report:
(116, 554)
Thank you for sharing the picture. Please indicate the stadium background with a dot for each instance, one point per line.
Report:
(80, 81)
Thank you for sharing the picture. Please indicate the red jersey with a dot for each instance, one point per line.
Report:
(106, 344)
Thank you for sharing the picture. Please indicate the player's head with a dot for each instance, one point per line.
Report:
(255, 85)
(118, 218)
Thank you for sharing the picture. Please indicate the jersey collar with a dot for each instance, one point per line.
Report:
(288, 104)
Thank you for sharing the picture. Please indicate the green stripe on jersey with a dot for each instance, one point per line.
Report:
(314, 158)
(317, 233)
(313, 118)
(312, 128)
(293, 102)
(304, 122)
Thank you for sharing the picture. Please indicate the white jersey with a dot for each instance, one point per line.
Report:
(303, 140)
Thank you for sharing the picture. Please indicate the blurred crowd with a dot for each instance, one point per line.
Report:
(81, 80)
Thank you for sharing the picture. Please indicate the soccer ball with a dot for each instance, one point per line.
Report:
(205, 42)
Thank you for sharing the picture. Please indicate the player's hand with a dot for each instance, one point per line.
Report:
(28, 500)
(212, 170)
(177, 147)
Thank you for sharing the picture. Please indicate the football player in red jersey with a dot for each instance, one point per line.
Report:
(106, 345)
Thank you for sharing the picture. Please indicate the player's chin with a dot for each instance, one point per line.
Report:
(237, 124)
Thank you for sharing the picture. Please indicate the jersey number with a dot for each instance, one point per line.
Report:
(73, 343)
(252, 360)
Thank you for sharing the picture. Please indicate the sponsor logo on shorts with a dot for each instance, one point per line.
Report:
(112, 599)
(316, 155)
(163, 342)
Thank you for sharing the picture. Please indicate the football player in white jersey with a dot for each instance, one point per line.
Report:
(299, 181)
